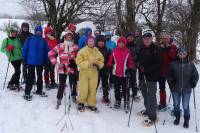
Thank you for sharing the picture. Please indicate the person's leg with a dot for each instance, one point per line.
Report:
(144, 92)
(30, 77)
(39, 70)
(117, 87)
(125, 90)
(92, 86)
(83, 87)
(72, 82)
(46, 75)
(185, 103)
(52, 74)
(25, 72)
(16, 76)
(152, 101)
(105, 85)
(176, 103)
(163, 96)
(61, 88)
(133, 84)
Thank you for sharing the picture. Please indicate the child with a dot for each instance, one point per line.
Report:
(90, 61)
(103, 74)
(121, 64)
(182, 77)
(66, 52)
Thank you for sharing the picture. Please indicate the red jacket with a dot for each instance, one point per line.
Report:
(168, 54)
(65, 53)
(121, 59)
(51, 42)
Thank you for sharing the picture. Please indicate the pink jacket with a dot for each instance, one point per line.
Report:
(121, 59)
(64, 53)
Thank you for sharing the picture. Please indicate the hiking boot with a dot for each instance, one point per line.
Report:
(105, 100)
(117, 104)
(177, 120)
(186, 123)
(27, 97)
(92, 108)
(54, 85)
(81, 107)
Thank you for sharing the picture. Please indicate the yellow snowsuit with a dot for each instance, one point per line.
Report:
(88, 76)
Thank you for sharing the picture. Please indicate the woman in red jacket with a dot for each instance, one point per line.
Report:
(121, 65)
(49, 73)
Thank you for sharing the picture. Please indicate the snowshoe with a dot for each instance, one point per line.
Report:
(148, 122)
(58, 103)
(186, 123)
(142, 113)
(117, 105)
(81, 107)
(93, 109)
(27, 97)
(41, 94)
(161, 108)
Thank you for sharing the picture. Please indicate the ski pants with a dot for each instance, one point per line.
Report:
(150, 102)
(103, 77)
(49, 73)
(30, 79)
(162, 87)
(88, 80)
(16, 76)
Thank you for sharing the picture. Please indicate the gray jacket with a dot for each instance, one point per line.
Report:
(182, 76)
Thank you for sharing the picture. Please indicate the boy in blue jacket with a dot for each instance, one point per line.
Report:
(35, 55)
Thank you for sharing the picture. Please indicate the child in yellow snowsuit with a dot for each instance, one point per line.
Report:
(89, 60)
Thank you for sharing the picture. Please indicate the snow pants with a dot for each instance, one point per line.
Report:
(49, 73)
(88, 80)
(16, 76)
(150, 102)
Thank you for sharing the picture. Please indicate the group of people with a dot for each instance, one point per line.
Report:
(89, 61)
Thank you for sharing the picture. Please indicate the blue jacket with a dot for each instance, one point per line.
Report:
(83, 40)
(35, 49)
(111, 45)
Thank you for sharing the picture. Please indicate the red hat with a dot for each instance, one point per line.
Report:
(71, 26)
(69, 33)
(122, 39)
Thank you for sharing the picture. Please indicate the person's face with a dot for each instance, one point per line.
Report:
(68, 38)
(166, 39)
(137, 33)
(38, 33)
(101, 44)
(182, 55)
(121, 45)
(73, 29)
(25, 29)
(89, 33)
(130, 38)
(147, 41)
(14, 34)
(91, 43)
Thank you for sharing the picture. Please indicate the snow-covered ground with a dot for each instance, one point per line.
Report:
(40, 116)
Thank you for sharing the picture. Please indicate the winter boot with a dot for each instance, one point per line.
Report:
(58, 103)
(81, 107)
(54, 85)
(48, 86)
(105, 100)
(27, 97)
(41, 94)
(186, 123)
(177, 120)
(117, 104)
(126, 107)
(93, 108)
(10, 87)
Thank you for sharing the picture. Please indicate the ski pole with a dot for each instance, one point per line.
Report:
(195, 109)
(129, 118)
(145, 81)
(167, 107)
(6, 74)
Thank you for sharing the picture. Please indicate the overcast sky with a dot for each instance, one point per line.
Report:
(11, 7)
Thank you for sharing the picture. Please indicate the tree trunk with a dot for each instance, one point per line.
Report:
(130, 19)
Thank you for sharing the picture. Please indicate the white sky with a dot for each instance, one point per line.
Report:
(11, 7)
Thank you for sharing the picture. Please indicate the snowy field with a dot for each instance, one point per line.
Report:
(40, 116)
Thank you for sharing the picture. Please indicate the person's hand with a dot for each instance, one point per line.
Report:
(129, 72)
(72, 63)
(10, 48)
(96, 66)
(193, 84)
(109, 69)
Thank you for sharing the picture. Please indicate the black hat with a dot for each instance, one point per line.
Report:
(148, 34)
(100, 38)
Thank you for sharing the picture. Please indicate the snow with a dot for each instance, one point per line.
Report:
(40, 116)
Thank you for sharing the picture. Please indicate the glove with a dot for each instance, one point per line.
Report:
(109, 69)
(72, 64)
(96, 66)
(10, 48)
(193, 84)
(24, 62)
(129, 72)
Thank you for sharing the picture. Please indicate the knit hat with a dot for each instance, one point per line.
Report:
(148, 34)
(122, 39)
(130, 34)
(181, 50)
(71, 26)
(101, 38)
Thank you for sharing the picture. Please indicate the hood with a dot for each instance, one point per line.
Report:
(24, 25)
(122, 39)
(108, 33)
(38, 28)
(87, 30)
(10, 29)
(48, 30)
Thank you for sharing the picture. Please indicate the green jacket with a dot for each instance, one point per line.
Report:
(16, 54)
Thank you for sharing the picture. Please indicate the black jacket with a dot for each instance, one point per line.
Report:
(150, 60)
(134, 50)
(182, 76)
